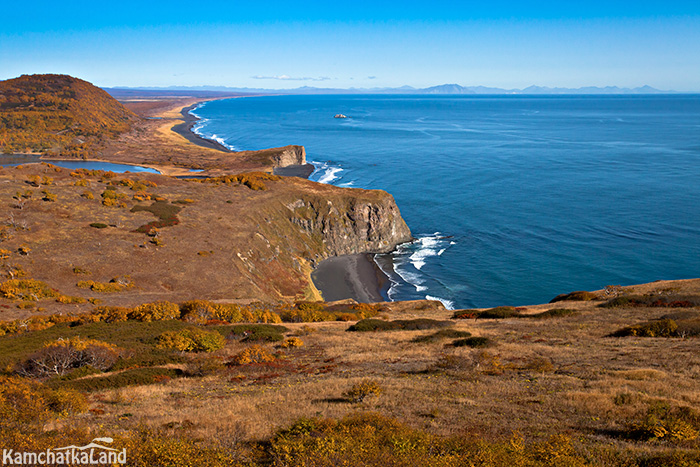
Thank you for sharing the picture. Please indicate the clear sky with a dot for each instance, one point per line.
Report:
(287, 44)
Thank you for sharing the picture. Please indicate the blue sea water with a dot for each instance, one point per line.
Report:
(512, 199)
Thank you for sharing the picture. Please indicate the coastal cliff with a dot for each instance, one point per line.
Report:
(353, 224)
(290, 155)
(251, 237)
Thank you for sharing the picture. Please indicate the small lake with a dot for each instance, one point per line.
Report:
(19, 159)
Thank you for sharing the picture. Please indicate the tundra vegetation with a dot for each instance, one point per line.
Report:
(325, 384)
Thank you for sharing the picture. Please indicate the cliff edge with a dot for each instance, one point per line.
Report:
(248, 237)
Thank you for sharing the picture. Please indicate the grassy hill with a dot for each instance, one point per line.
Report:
(58, 114)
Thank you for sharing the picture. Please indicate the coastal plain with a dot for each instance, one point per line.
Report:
(178, 316)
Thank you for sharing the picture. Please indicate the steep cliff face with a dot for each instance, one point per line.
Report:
(290, 155)
(353, 221)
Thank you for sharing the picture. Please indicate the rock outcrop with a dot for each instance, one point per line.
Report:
(289, 155)
(358, 221)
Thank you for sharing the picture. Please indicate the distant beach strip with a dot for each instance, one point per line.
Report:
(189, 130)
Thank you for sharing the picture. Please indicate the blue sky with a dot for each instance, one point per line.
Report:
(357, 44)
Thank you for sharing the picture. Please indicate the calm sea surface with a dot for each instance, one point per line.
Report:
(513, 200)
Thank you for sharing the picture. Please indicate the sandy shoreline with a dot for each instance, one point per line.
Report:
(351, 276)
(184, 129)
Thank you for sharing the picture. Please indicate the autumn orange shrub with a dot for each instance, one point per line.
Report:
(62, 355)
(105, 287)
(156, 311)
(68, 299)
(253, 180)
(360, 391)
(253, 354)
(191, 340)
(26, 289)
(202, 311)
(291, 342)
(111, 314)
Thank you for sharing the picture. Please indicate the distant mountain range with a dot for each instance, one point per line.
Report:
(442, 89)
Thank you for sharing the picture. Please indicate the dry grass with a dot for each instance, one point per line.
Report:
(540, 380)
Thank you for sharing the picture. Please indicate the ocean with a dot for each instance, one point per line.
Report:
(512, 199)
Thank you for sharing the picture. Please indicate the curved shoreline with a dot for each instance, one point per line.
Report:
(351, 276)
(184, 129)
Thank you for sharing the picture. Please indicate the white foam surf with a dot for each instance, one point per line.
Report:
(448, 303)
(427, 248)
(409, 260)
(199, 126)
(324, 172)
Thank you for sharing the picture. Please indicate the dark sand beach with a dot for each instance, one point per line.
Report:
(300, 170)
(351, 276)
(185, 130)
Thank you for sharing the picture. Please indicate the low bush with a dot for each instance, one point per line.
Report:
(291, 342)
(465, 314)
(68, 299)
(117, 284)
(48, 196)
(164, 211)
(360, 391)
(26, 289)
(60, 356)
(253, 180)
(578, 296)
(659, 328)
(99, 225)
(310, 312)
(669, 423)
(505, 312)
(202, 311)
(653, 301)
(156, 311)
(253, 354)
(473, 342)
(204, 367)
(135, 377)
(373, 325)
(370, 439)
(191, 340)
(66, 401)
(553, 313)
(25, 402)
(443, 334)
(500, 312)
(109, 314)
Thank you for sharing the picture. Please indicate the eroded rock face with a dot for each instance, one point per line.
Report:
(290, 155)
(356, 223)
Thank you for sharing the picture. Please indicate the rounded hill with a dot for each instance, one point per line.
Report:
(58, 114)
